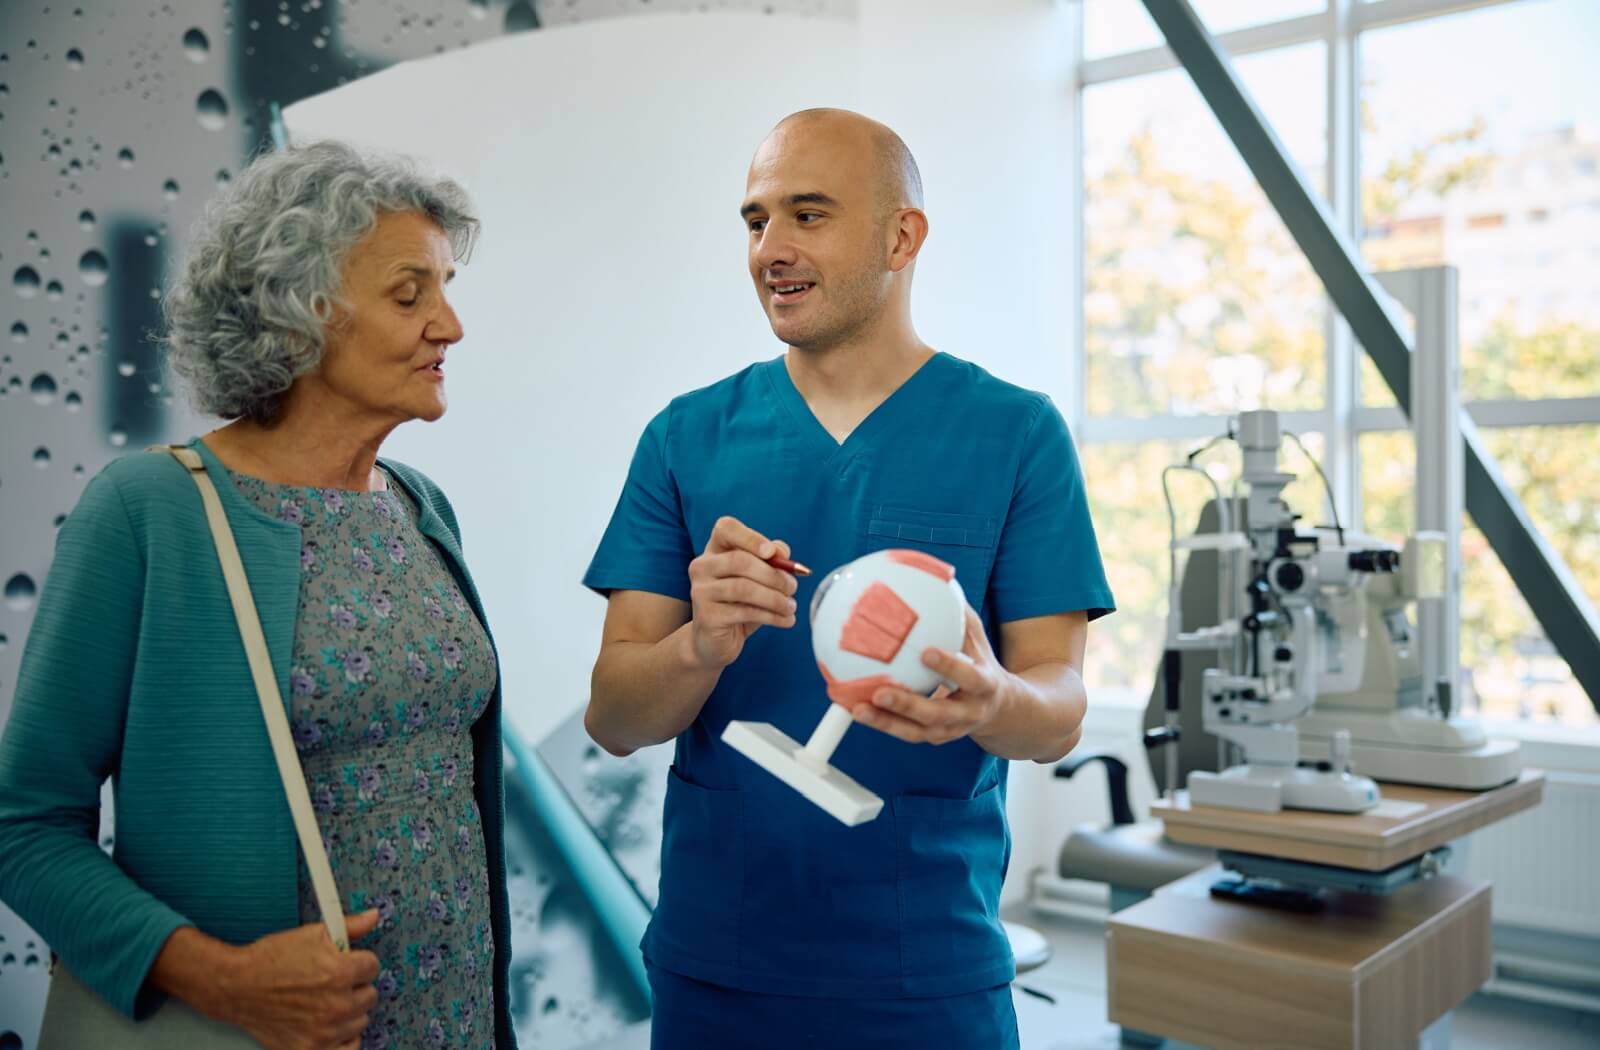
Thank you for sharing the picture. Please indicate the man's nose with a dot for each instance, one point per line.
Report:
(775, 248)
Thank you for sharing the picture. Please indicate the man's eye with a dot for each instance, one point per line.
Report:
(807, 216)
(757, 225)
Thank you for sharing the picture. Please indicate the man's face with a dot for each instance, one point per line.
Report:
(818, 240)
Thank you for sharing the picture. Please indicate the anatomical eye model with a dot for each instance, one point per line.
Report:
(871, 621)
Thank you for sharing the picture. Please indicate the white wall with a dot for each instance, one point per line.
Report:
(608, 161)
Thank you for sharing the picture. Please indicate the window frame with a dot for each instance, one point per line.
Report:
(1343, 419)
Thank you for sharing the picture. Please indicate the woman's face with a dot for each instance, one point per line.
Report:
(386, 346)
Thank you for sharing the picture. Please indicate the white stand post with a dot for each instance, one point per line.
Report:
(825, 738)
(1431, 294)
(806, 768)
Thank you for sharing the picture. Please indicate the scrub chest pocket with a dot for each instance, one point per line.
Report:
(966, 541)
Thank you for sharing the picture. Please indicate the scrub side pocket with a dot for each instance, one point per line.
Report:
(702, 878)
(952, 858)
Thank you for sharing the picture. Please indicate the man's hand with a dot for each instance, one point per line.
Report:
(983, 687)
(733, 592)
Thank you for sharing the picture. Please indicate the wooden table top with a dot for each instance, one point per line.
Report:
(1407, 822)
(1351, 935)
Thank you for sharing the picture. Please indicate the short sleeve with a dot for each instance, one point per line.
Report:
(1048, 560)
(646, 545)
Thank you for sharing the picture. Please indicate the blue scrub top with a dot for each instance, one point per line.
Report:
(760, 889)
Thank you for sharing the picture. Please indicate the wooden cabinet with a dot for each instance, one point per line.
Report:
(1366, 972)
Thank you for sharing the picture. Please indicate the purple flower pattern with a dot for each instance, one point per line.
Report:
(389, 672)
(356, 665)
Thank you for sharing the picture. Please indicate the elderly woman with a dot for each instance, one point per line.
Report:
(313, 315)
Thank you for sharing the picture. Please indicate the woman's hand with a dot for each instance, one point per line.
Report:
(296, 991)
(291, 991)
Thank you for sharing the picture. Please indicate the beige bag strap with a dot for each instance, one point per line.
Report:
(255, 647)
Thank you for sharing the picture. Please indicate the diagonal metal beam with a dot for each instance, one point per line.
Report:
(1562, 609)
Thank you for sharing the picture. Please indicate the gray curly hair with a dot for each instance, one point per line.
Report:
(247, 317)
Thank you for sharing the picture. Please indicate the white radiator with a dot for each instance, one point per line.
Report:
(1543, 862)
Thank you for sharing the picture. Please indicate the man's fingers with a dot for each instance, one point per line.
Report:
(739, 590)
(743, 563)
(902, 728)
(930, 712)
(720, 616)
(727, 616)
(954, 667)
(731, 534)
(976, 640)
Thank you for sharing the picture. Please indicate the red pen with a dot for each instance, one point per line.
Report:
(785, 565)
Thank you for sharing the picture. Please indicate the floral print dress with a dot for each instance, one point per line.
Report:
(390, 670)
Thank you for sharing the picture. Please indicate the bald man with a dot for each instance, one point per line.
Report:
(777, 925)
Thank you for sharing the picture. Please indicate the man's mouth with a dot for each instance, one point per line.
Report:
(787, 292)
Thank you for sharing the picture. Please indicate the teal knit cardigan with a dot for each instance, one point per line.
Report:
(134, 670)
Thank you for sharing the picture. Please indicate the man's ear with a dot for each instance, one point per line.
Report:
(910, 229)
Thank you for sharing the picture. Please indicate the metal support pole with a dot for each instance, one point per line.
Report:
(1431, 294)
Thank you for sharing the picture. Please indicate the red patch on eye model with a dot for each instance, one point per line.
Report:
(926, 562)
(857, 691)
(878, 625)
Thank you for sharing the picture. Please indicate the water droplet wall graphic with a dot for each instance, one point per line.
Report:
(195, 45)
(93, 268)
(212, 110)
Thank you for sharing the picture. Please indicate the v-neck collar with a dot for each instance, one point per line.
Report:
(810, 427)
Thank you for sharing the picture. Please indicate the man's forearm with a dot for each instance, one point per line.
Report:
(644, 693)
(1041, 716)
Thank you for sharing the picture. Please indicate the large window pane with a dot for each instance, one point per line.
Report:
(1512, 668)
(1502, 183)
(1130, 516)
(1197, 300)
(1111, 27)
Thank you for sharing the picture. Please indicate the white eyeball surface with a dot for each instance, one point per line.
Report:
(872, 619)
